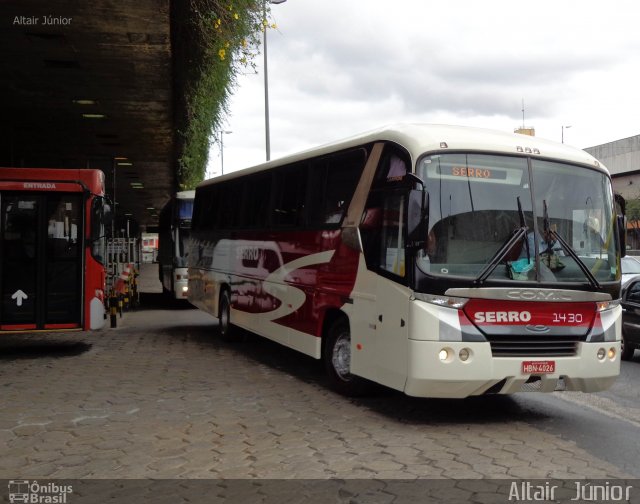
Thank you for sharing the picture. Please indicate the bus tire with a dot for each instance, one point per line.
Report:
(225, 329)
(627, 350)
(337, 361)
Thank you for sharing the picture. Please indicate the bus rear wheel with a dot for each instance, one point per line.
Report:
(224, 317)
(337, 361)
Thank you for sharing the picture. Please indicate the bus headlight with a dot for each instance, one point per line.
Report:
(448, 301)
(601, 353)
(444, 355)
(185, 288)
(464, 354)
(611, 353)
(607, 305)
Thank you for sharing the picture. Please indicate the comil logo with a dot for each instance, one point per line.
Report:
(36, 493)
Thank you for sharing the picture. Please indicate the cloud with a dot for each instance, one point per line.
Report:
(336, 68)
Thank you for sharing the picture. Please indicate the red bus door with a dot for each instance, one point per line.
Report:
(41, 260)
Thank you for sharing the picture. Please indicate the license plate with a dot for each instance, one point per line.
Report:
(538, 367)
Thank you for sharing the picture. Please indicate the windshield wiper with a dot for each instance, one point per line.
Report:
(517, 235)
(566, 247)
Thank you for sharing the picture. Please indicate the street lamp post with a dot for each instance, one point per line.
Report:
(563, 128)
(222, 133)
(266, 77)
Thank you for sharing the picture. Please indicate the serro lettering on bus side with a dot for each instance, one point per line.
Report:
(502, 316)
(249, 253)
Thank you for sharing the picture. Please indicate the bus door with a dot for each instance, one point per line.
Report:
(382, 321)
(41, 244)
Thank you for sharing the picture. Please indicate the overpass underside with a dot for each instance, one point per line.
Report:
(91, 84)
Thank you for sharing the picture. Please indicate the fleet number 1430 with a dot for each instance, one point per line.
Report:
(567, 318)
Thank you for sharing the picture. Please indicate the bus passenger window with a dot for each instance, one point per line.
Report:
(397, 169)
(230, 194)
(393, 166)
(255, 206)
(334, 215)
(332, 182)
(290, 193)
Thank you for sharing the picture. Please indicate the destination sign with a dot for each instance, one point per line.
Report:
(471, 172)
(478, 172)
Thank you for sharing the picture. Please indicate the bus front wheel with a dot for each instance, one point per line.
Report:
(337, 361)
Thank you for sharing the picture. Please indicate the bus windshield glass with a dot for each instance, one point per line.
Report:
(182, 239)
(478, 202)
(185, 210)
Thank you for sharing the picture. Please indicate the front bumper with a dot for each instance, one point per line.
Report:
(481, 373)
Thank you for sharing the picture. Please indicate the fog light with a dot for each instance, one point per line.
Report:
(464, 354)
(443, 355)
(601, 353)
(611, 354)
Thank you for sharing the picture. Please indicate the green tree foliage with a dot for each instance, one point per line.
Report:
(214, 40)
(633, 210)
(633, 218)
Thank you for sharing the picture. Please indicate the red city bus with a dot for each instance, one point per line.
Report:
(408, 257)
(52, 249)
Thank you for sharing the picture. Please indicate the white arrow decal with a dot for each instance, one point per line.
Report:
(19, 296)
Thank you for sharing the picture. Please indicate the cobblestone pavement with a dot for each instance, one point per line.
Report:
(161, 397)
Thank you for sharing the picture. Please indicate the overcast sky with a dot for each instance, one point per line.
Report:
(340, 67)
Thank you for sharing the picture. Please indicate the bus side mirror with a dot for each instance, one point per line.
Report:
(622, 234)
(418, 218)
(621, 211)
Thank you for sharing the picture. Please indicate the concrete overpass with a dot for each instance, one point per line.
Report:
(95, 85)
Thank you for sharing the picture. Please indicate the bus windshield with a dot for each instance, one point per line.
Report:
(182, 237)
(562, 215)
(184, 211)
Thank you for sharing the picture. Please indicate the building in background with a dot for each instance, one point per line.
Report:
(523, 130)
(622, 158)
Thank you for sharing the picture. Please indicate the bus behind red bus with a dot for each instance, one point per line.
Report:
(52, 249)
(174, 228)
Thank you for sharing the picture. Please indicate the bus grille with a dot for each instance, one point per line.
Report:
(527, 346)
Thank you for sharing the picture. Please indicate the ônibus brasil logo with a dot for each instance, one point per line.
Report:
(36, 493)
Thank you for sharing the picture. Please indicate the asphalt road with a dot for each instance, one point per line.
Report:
(606, 424)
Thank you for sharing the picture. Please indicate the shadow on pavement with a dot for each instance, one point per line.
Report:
(22, 347)
(490, 409)
(159, 301)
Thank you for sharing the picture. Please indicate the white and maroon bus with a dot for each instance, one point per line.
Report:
(52, 249)
(436, 260)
